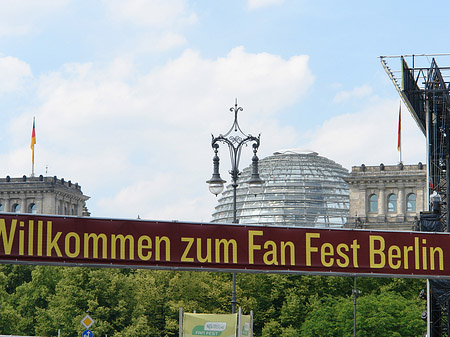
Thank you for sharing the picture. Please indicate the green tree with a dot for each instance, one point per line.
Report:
(31, 298)
(8, 314)
(386, 314)
(389, 312)
(106, 294)
(16, 275)
(126, 302)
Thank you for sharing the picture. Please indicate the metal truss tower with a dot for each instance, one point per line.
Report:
(424, 89)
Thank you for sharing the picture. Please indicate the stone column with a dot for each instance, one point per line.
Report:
(382, 202)
(23, 204)
(7, 205)
(362, 203)
(40, 203)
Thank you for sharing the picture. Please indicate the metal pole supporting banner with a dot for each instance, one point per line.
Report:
(354, 309)
(427, 200)
(233, 295)
(180, 324)
(429, 322)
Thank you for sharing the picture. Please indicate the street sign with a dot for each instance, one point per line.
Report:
(87, 321)
(87, 333)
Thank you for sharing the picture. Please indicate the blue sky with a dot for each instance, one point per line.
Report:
(126, 94)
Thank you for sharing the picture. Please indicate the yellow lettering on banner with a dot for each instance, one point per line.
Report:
(433, 251)
(327, 249)
(8, 239)
(424, 255)
(76, 251)
(417, 252)
(184, 257)
(354, 246)
(208, 257)
(309, 248)
(226, 244)
(158, 241)
(394, 253)
(252, 246)
(406, 250)
(30, 237)
(52, 242)
(344, 262)
(376, 252)
(395, 259)
(142, 246)
(40, 237)
(272, 253)
(291, 246)
(331, 255)
(95, 240)
(21, 238)
(122, 240)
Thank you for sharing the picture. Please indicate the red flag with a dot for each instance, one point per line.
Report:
(33, 141)
(399, 135)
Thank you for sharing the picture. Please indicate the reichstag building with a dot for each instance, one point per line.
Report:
(301, 189)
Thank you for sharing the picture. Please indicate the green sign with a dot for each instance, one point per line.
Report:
(245, 325)
(223, 325)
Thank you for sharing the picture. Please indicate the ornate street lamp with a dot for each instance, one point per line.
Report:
(235, 139)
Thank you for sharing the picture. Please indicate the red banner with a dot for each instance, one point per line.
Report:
(204, 246)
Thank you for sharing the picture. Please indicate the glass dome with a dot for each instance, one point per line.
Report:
(301, 189)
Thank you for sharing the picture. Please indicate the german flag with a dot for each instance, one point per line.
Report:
(33, 141)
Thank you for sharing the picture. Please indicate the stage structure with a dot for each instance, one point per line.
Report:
(424, 88)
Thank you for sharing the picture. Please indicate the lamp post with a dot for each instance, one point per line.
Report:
(356, 293)
(235, 139)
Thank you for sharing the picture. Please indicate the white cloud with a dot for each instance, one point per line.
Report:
(158, 24)
(18, 17)
(254, 4)
(166, 41)
(370, 135)
(139, 198)
(263, 81)
(356, 93)
(13, 74)
(140, 143)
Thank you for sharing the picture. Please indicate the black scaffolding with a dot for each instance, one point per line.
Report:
(424, 89)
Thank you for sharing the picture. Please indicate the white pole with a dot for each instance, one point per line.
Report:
(239, 322)
(251, 323)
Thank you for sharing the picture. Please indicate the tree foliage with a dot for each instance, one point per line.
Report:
(40, 300)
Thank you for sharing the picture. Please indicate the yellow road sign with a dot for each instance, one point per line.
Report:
(87, 321)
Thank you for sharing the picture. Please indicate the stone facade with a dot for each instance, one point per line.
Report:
(42, 195)
(386, 197)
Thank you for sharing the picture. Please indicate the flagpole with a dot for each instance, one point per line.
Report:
(399, 135)
(33, 142)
